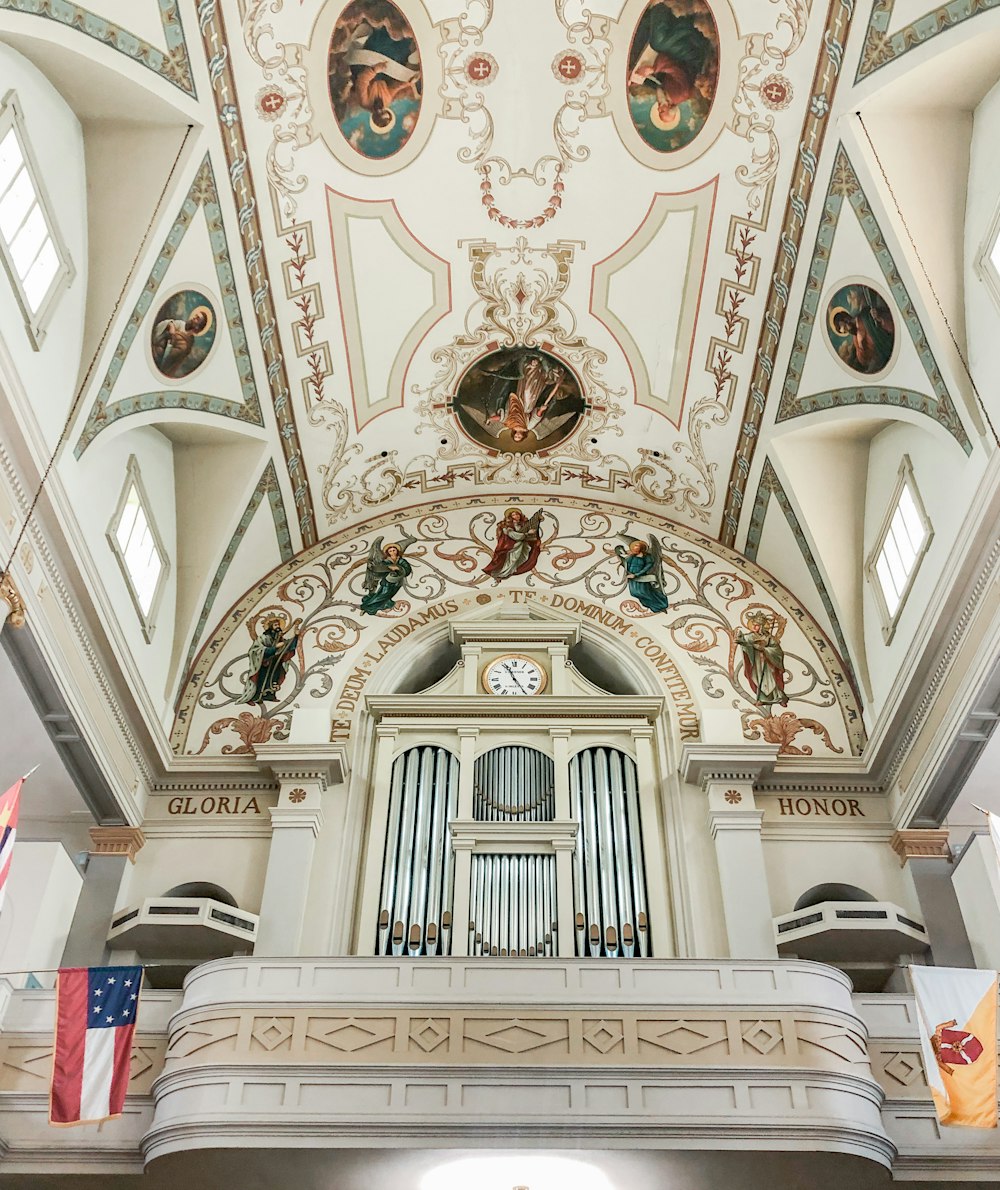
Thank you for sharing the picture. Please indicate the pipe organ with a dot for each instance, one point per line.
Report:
(515, 826)
(609, 881)
(418, 869)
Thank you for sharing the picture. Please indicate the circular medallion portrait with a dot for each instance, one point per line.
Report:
(375, 77)
(673, 72)
(182, 334)
(519, 400)
(860, 328)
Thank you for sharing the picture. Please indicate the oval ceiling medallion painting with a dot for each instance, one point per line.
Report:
(673, 72)
(182, 334)
(861, 328)
(519, 400)
(375, 77)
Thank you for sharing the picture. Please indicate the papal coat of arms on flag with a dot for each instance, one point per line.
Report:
(957, 1016)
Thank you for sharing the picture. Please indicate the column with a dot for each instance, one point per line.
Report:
(303, 773)
(727, 776)
(558, 664)
(111, 848)
(385, 747)
(659, 909)
(468, 736)
(928, 855)
(564, 847)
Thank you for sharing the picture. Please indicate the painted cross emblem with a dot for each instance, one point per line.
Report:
(567, 67)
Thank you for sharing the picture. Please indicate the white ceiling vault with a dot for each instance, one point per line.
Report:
(355, 266)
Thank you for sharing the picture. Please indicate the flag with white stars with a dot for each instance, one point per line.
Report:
(96, 1008)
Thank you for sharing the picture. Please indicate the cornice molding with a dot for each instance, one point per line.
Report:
(704, 763)
(544, 707)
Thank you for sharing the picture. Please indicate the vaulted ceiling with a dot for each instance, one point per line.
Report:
(642, 257)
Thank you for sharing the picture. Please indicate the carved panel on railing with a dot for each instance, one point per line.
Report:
(414, 1037)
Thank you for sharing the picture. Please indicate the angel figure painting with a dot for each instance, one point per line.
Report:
(673, 66)
(375, 77)
(519, 542)
(763, 657)
(861, 328)
(183, 334)
(519, 400)
(386, 572)
(643, 565)
(269, 656)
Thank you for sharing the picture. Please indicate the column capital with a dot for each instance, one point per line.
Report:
(467, 733)
(735, 820)
(10, 595)
(702, 764)
(325, 763)
(921, 844)
(560, 733)
(294, 818)
(116, 840)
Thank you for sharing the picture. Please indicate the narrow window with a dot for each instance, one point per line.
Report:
(901, 544)
(137, 546)
(34, 256)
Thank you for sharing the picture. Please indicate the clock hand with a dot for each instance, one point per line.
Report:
(515, 677)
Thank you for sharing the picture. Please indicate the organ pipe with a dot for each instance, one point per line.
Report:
(512, 899)
(418, 869)
(513, 784)
(609, 886)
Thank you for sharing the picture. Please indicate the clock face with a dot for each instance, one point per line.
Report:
(514, 674)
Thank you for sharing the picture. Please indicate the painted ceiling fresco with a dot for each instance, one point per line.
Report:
(575, 258)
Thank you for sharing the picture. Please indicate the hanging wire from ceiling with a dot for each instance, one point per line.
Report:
(930, 284)
(82, 389)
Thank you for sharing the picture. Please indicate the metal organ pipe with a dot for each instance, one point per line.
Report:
(609, 892)
(418, 872)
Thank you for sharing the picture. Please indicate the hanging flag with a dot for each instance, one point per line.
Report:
(96, 1009)
(9, 804)
(957, 1017)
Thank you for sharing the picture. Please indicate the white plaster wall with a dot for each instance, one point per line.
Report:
(94, 486)
(982, 312)
(237, 865)
(795, 865)
(947, 481)
(48, 376)
(976, 878)
(42, 891)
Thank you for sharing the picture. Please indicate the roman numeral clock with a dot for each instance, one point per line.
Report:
(514, 674)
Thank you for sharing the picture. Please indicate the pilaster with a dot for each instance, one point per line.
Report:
(927, 854)
(304, 773)
(727, 776)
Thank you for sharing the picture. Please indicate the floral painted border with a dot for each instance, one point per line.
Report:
(825, 79)
(881, 48)
(212, 24)
(174, 65)
(844, 183)
(204, 196)
(768, 487)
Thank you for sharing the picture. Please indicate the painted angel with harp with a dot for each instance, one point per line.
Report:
(643, 562)
(386, 572)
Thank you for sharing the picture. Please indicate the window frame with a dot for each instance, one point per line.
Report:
(147, 619)
(35, 322)
(904, 480)
(986, 270)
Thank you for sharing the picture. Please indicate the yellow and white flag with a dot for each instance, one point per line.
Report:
(957, 1015)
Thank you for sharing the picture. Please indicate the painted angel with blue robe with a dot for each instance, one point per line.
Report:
(386, 572)
(643, 562)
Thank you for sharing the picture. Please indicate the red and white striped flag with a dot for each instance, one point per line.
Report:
(9, 804)
(96, 1009)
